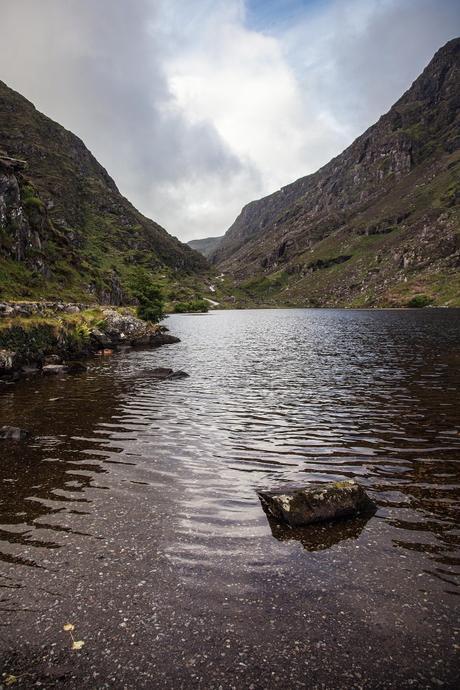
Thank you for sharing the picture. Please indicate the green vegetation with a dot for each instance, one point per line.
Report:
(198, 305)
(37, 336)
(79, 237)
(419, 301)
(149, 295)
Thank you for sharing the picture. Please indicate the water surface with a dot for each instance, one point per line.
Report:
(133, 512)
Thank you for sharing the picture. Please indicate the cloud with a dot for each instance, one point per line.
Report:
(197, 108)
(96, 67)
(358, 57)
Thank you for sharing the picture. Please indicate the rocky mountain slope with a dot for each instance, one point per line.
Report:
(206, 246)
(65, 229)
(378, 225)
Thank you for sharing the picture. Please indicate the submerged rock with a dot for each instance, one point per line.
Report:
(317, 502)
(164, 373)
(76, 368)
(57, 369)
(14, 433)
(179, 374)
(320, 536)
(158, 339)
(54, 369)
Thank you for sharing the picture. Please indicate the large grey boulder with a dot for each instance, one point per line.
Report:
(124, 328)
(316, 502)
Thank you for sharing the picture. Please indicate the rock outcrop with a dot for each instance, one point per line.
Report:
(53, 343)
(387, 208)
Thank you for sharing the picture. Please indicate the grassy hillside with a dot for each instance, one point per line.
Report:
(65, 230)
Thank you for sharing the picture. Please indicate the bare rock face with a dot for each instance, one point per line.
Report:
(316, 502)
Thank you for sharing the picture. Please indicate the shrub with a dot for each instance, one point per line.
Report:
(181, 307)
(419, 301)
(149, 295)
(198, 305)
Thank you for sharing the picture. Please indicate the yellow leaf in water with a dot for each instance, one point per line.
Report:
(68, 627)
(9, 680)
(78, 644)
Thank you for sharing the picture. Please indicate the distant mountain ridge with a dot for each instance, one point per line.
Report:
(65, 229)
(205, 246)
(378, 224)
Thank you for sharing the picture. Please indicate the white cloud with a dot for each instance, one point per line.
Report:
(194, 113)
(242, 82)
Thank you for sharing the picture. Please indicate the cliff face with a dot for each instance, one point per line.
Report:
(65, 230)
(23, 218)
(376, 224)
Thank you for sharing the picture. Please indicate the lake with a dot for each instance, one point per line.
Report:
(133, 512)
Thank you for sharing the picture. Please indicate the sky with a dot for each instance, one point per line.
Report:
(196, 107)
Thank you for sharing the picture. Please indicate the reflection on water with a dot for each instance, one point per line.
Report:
(319, 537)
(119, 459)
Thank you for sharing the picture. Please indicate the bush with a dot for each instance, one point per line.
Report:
(181, 307)
(150, 297)
(419, 301)
(198, 305)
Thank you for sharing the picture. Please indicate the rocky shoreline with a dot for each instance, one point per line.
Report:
(50, 337)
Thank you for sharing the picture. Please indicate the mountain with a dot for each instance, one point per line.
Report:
(378, 225)
(206, 246)
(65, 229)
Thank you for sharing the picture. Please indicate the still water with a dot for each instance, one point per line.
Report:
(132, 513)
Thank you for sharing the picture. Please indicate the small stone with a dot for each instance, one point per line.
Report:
(54, 369)
(179, 375)
(52, 359)
(13, 433)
